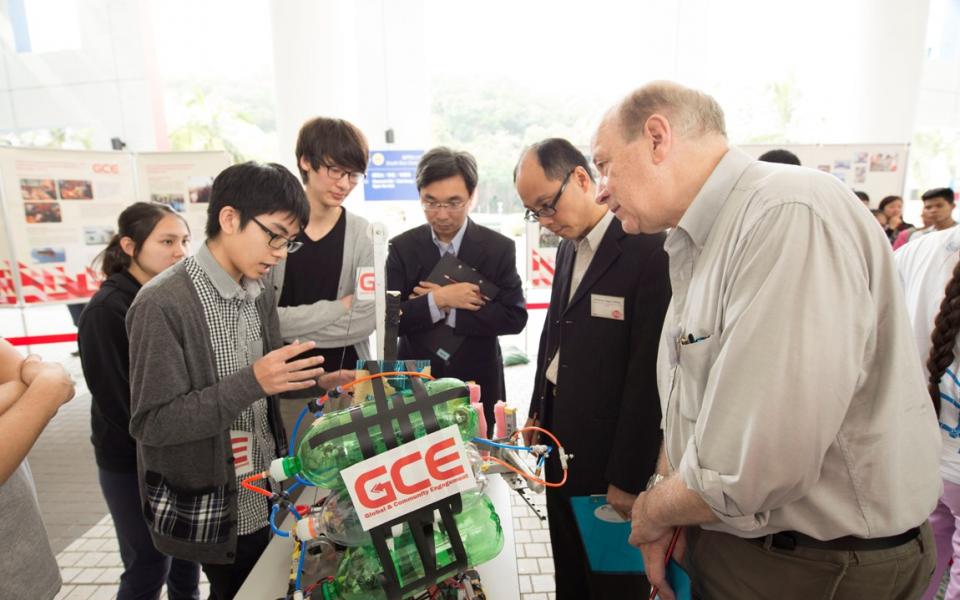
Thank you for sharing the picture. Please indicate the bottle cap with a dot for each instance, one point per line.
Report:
(307, 528)
(279, 469)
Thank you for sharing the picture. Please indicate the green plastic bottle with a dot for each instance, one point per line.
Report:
(360, 573)
(321, 465)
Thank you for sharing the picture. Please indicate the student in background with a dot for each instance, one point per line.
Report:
(781, 156)
(150, 237)
(930, 273)
(892, 208)
(315, 287)
(937, 215)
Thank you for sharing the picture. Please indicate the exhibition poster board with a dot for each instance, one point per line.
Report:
(181, 180)
(60, 208)
(877, 169)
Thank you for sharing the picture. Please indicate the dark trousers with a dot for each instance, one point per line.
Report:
(225, 580)
(724, 566)
(145, 569)
(575, 580)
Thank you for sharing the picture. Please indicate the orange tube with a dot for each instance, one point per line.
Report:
(525, 475)
(256, 489)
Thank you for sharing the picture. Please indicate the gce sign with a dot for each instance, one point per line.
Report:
(408, 477)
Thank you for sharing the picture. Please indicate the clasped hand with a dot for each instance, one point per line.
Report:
(461, 295)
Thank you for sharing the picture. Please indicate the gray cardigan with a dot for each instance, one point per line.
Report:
(181, 413)
(326, 321)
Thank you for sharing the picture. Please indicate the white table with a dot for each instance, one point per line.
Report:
(269, 577)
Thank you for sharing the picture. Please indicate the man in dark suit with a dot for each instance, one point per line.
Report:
(446, 180)
(595, 383)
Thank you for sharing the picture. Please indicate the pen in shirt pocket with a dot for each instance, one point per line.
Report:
(691, 339)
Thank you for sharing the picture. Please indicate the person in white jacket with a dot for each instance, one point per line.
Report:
(315, 287)
(930, 272)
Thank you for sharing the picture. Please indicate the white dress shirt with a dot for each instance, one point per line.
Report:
(795, 400)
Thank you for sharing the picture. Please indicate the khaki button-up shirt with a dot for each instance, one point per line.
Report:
(792, 394)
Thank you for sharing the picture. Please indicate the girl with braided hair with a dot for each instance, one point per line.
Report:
(930, 271)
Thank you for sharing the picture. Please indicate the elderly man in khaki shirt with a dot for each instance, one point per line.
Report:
(798, 435)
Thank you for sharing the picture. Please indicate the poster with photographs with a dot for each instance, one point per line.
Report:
(182, 181)
(877, 169)
(59, 212)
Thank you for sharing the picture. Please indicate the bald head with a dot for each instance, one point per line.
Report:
(556, 156)
(555, 184)
(654, 150)
(691, 113)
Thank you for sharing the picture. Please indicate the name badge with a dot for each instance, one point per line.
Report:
(606, 307)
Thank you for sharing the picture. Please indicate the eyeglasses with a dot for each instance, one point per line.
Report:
(452, 205)
(550, 208)
(278, 241)
(336, 173)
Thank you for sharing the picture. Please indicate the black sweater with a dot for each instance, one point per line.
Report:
(104, 354)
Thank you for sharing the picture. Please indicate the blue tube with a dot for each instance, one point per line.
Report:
(499, 445)
(296, 428)
(273, 522)
(303, 554)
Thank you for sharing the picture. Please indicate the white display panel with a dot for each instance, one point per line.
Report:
(60, 208)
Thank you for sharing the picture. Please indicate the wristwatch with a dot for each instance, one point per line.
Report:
(654, 480)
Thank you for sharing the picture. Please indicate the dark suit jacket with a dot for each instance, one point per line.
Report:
(606, 411)
(412, 257)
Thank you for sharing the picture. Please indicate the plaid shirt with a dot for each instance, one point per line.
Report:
(235, 334)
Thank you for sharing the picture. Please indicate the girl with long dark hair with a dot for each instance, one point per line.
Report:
(150, 238)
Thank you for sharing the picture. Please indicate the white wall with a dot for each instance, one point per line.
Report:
(855, 64)
(360, 60)
(103, 85)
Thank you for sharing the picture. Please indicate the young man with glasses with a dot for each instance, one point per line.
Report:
(315, 287)
(447, 180)
(206, 366)
(595, 384)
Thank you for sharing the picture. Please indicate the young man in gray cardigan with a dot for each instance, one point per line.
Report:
(206, 366)
(315, 288)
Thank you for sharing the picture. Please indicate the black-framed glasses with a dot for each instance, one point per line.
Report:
(454, 205)
(336, 173)
(550, 208)
(278, 241)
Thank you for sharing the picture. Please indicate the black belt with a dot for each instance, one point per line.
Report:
(788, 540)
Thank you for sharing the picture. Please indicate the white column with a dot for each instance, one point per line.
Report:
(360, 60)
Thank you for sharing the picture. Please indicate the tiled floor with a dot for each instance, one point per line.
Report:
(81, 531)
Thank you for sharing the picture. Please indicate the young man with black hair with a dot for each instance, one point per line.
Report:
(937, 215)
(206, 365)
(447, 180)
(315, 287)
(780, 155)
